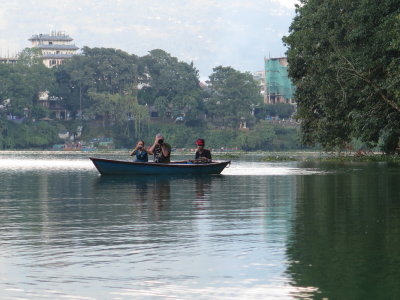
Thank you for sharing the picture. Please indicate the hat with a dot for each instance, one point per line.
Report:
(200, 142)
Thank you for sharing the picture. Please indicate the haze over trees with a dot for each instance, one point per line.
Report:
(344, 58)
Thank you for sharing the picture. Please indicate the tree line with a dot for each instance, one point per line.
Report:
(123, 91)
(344, 58)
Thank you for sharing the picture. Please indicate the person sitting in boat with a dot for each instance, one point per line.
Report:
(160, 150)
(140, 152)
(203, 155)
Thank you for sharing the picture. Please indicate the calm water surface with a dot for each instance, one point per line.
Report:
(257, 231)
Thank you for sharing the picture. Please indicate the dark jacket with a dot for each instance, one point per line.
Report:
(159, 156)
(205, 153)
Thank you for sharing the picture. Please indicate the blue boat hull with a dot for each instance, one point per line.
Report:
(119, 167)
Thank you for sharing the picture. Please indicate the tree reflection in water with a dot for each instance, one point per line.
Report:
(345, 238)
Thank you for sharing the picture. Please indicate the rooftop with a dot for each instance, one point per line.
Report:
(54, 36)
(57, 47)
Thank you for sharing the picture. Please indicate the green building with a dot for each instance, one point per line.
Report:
(278, 86)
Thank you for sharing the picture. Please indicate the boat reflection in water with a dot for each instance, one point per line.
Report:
(152, 194)
(203, 192)
(146, 193)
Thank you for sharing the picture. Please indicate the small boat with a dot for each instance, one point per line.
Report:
(121, 167)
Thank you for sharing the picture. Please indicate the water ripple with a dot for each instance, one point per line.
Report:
(68, 233)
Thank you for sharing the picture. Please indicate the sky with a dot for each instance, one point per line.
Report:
(236, 33)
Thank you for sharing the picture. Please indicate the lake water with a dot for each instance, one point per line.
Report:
(257, 231)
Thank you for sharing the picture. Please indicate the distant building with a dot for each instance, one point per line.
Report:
(8, 60)
(278, 86)
(259, 76)
(56, 47)
(55, 106)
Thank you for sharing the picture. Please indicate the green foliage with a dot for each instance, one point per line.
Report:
(28, 135)
(218, 138)
(22, 82)
(393, 159)
(3, 130)
(279, 158)
(281, 110)
(38, 112)
(260, 137)
(233, 96)
(117, 109)
(112, 70)
(98, 70)
(390, 141)
(171, 86)
(225, 156)
(263, 137)
(30, 57)
(177, 135)
(284, 110)
(344, 60)
(110, 93)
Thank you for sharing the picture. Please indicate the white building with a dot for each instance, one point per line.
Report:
(56, 47)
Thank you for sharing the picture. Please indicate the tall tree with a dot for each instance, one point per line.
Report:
(233, 96)
(117, 109)
(170, 85)
(344, 59)
(22, 82)
(99, 70)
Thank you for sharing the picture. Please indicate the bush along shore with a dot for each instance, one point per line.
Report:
(329, 157)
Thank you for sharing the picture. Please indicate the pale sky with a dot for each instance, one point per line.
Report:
(237, 33)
